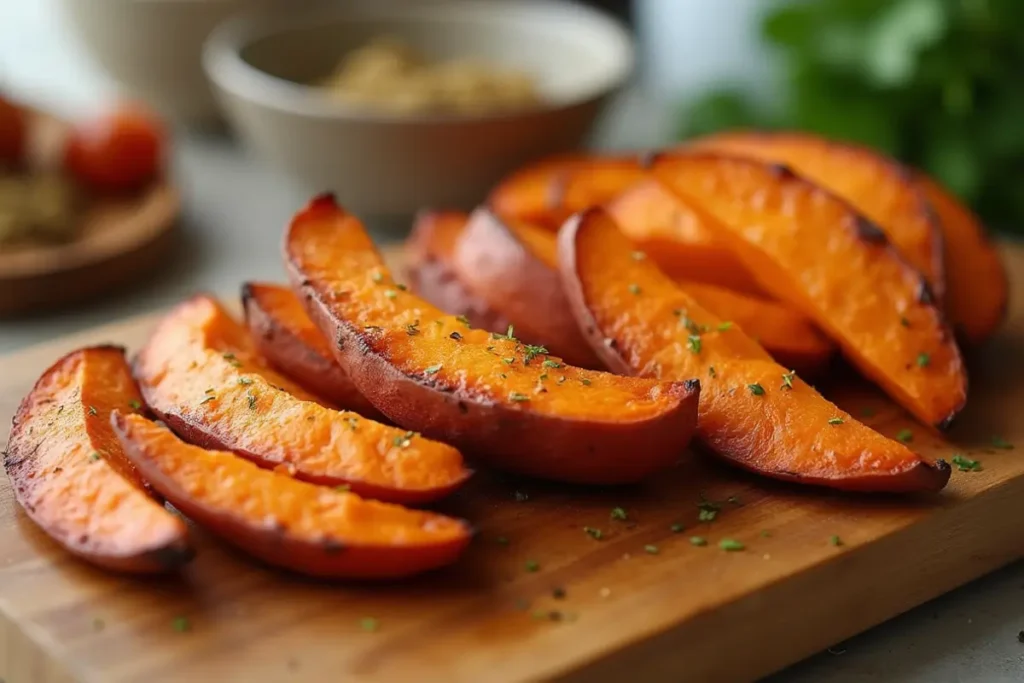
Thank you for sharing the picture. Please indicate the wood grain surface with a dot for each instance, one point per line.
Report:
(642, 603)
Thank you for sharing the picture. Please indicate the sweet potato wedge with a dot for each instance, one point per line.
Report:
(71, 477)
(513, 266)
(813, 250)
(430, 269)
(284, 335)
(753, 412)
(548, 192)
(977, 289)
(676, 237)
(878, 187)
(505, 401)
(285, 522)
(200, 373)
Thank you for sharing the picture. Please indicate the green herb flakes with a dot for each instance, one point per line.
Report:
(390, 293)
(245, 381)
(904, 436)
(835, 541)
(756, 389)
(698, 541)
(693, 343)
(585, 381)
(923, 360)
(93, 411)
(181, 624)
(432, 369)
(836, 421)
(518, 397)
(651, 549)
(595, 534)
(725, 326)
(548, 363)
(711, 371)
(965, 464)
(619, 514)
(369, 624)
(532, 566)
(787, 379)
(251, 398)
(730, 545)
(403, 440)
(677, 528)
(135, 404)
(1000, 442)
(634, 289)
(463, 319)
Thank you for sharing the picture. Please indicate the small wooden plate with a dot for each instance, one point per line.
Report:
(121, 240)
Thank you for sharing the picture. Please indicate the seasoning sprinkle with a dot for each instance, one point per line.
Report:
(693, 343)
(403, 440)
(531, 351)
(252, 401)
(836, 421)
(377, 276)
(207, 399)
(676, 528)
(787, 379)
(729, 545)
(923, 360)
(651, 549)
(369, 624)
(711, 371)
(904, 321)
(725, 326)
(835, 540)
(93, 411)
(585, 381)
(353, 423)
(390, 293)
(342, 488)
(1000, 442)
(135, 404)
(532, 566)
(232, 360)
(965, 464)
(181, 624)
(699, 541)
(518, 397)
(463, 319)
(245, 381)
(634, 289)
(401, 286)
(595, 534)
(756, 389)
(904, 436)
(548, 363)
(432, 369)
(508, 360)
(619, 514)
(94, 456)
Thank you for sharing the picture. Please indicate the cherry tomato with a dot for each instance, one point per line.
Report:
(12, 132)
(118, 152)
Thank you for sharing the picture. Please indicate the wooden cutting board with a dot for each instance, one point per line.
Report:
(642, 603)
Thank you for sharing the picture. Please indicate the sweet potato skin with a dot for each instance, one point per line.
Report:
(879, 188)
(678, 239)
(814, 251)
(70, 475)
(753, 412)
(429, 268)
(487, 394)
(284, 335)
(201, 375)
(286, 522)
(977, 288)
(513, 266)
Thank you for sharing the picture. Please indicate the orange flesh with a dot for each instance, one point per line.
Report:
(200, 367)
(70, 475)
(977, 291)
(675, 236)
(877, 187)
(784, 432)
(809, 249)
(336, 253)
(287, 522)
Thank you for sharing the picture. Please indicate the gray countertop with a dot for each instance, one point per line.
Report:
(234, 212)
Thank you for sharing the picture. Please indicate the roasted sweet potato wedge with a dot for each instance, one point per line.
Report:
(977, 289)
(284, 335)
(676, 237)
(513, 266)
(813, 250)
(508, 402)
(70, 475)
(879, 188)
(430, 269)
(285, 522)
(753, 412)
(200, 373)
(548, 192)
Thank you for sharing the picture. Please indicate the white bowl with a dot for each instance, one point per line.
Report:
(383, 164)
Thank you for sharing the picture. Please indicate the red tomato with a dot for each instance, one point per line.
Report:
(118, 152)
(12, 132)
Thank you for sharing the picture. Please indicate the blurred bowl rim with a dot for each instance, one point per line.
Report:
(222, 58)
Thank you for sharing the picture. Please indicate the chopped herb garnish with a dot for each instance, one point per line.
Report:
(634, 289)
(543, 376)
(638, 255)
(558, 593)
(252, 401)
(619, 514)
(595, 534)
(698, 541)
(787, 379)
(651, 549)
(413, 328)
(836, 421)
(561, 379)
(518, 397)
(390, 293)
(456, 336)
(729, 545)
(923, 360)
(245, 381)
(181, 624)
(965, 464)
(135, 404)
(94, 456)
(904, 321)
(207, 399)
(401, 287)
(756, 389)
(403, 440)
(1000, 442)
(532, 565)
(835, 540)
(725, 326)
(502, 375)
(509, 360)
(707, 514)
(585, 381)
(93, 411)
(904, 436)
(342, 488)
(711, 371)
(432, 369)
(676, 528)
(765, 533)
(693, 343)
(548, 363)
(532, 351)
(734, 500)
(369, 624)
(377, 276)
(232, 360)
(353, 423)
(463, 319)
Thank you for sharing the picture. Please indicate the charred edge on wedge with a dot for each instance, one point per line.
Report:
(869, 232)
(691, 384)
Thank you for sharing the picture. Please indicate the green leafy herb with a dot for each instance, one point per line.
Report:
(756, 389)
(390, 293)
(432, 369)
(94, 456)
(369, 624)
(619, 514)
(725, 326)
(401, 287)
(595, 534)
(787, 379)
(93, 411)
(508, 360)
(835, 540)
(403, 440)
(677, 528)
(252, 401)
(1000, 442)
(923, 360)
(463, 319)
(693, 343)
(634, 289)
(585, 381)
(836, 421)
(518, 397)
(548, 363)
(532, 566)
(135, 404)
(730, 545)
(698, 541)
(904, 436)
(711, 371)
(965, 464)
(232, 360)
(181, 624)
(245, 381)
(207, 399)
(651, 549)
(531, 351)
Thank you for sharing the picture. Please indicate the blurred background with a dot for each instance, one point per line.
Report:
(936, 83)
